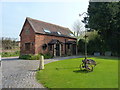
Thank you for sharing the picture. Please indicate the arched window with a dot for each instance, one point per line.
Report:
(44, 46)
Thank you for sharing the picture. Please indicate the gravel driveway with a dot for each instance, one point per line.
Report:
(18, 73)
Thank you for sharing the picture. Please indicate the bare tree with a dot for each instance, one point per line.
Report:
(78, 29)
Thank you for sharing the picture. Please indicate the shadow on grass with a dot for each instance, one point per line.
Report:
(66, 68)
(80, 71)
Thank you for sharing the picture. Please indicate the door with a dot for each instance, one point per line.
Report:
(57, 49)
(74, 49)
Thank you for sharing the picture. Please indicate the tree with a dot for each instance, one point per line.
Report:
(105, 18)
(8, 43)
(94, 43)
(77, 29)
(81, 46)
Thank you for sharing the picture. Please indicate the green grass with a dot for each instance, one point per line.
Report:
(66, 74)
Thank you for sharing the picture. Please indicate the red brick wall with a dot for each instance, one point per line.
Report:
(37, 40)
(27, 38)
(45, 39)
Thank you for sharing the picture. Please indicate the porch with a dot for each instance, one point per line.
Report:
(58, 48)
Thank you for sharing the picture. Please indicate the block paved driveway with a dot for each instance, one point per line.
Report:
(18, 73)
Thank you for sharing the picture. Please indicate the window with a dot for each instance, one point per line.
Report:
(71, 34)
(27, 46)
(32, 43)
(47, 31)
(59, 33)
(27, 31)
(44, 46)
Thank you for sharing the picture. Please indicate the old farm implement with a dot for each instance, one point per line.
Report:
(88, 64)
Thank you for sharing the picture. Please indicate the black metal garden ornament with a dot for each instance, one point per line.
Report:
(87, 64)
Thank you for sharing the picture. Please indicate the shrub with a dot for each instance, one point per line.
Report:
(10, 54)
(17, 52)
(30, 57)
(35, 57)
(81, 46)
(95, 45)
(47, 56)
(25, 56)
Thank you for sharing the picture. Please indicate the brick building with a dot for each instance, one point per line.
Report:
(42, 37)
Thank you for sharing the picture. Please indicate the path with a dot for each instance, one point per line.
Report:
(18, 73)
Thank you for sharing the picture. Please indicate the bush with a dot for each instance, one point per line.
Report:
(94, 44)
(10, 54)
(30, 57)
(25, 57)
(47, 56)
(17, 52)
(35, 57)
(81, 46)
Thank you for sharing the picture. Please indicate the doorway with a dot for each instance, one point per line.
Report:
(57, 49)
(74, 49)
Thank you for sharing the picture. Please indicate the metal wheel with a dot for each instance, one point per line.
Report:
(89, 67)
(82, 67)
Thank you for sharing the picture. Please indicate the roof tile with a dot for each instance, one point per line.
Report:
(39, 27)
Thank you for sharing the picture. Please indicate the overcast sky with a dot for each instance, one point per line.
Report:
(60, 13)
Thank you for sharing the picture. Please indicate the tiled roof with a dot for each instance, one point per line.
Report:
(57, 30)
(71, 42)
(54, 41)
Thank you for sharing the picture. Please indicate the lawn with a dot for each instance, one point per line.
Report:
(66, 74)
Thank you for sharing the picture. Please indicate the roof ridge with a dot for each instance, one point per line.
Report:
(38, 26)
(48, 23)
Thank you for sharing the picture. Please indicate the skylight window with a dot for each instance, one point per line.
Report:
(59, 33)
(47, 31)
(71, 34)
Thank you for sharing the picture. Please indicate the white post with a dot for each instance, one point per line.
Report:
(60, 49)
(41, 67)
(54, 50)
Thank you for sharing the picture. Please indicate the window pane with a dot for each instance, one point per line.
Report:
(47, 31)
(71, 34)
(27, 46)
(59, 33)
(27, 31)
